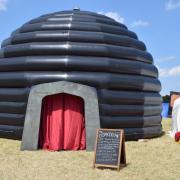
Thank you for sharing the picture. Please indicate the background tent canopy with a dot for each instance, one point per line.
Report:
(176, 116)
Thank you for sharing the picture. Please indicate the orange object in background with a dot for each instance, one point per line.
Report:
(173, 98)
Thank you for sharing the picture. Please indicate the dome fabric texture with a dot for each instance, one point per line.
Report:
(86, 48)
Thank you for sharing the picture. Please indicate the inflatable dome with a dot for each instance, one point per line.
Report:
(89, 49)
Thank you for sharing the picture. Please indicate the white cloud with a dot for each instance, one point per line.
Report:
(174, 71)
(3, 4)
(172, 4)
(165, 59)
(140, 23)
(113, 15)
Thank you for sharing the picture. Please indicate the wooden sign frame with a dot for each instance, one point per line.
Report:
(121, 154)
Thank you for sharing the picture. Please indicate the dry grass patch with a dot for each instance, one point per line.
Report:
(156, 159)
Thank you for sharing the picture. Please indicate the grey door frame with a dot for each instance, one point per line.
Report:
(33, 111)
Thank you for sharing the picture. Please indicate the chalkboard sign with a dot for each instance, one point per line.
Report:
(110, 148)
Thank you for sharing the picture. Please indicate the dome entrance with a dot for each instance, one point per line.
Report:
(62, 125)
(84, 97)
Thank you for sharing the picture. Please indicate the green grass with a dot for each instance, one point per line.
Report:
(158, 158)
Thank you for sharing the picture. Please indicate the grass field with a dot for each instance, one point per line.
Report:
(156, 159)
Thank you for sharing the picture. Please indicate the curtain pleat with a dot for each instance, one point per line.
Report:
(73, 122)
(62, 123)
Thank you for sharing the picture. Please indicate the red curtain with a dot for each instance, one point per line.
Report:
(62, 123)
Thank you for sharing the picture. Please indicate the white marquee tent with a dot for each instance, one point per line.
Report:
(175, 117)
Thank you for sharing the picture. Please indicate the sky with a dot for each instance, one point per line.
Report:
(156, 22)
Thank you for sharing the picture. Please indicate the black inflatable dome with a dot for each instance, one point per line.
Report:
(86, 48)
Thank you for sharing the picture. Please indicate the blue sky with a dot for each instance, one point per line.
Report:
(156, 22)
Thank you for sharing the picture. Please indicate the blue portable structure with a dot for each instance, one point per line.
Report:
(165, 110)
